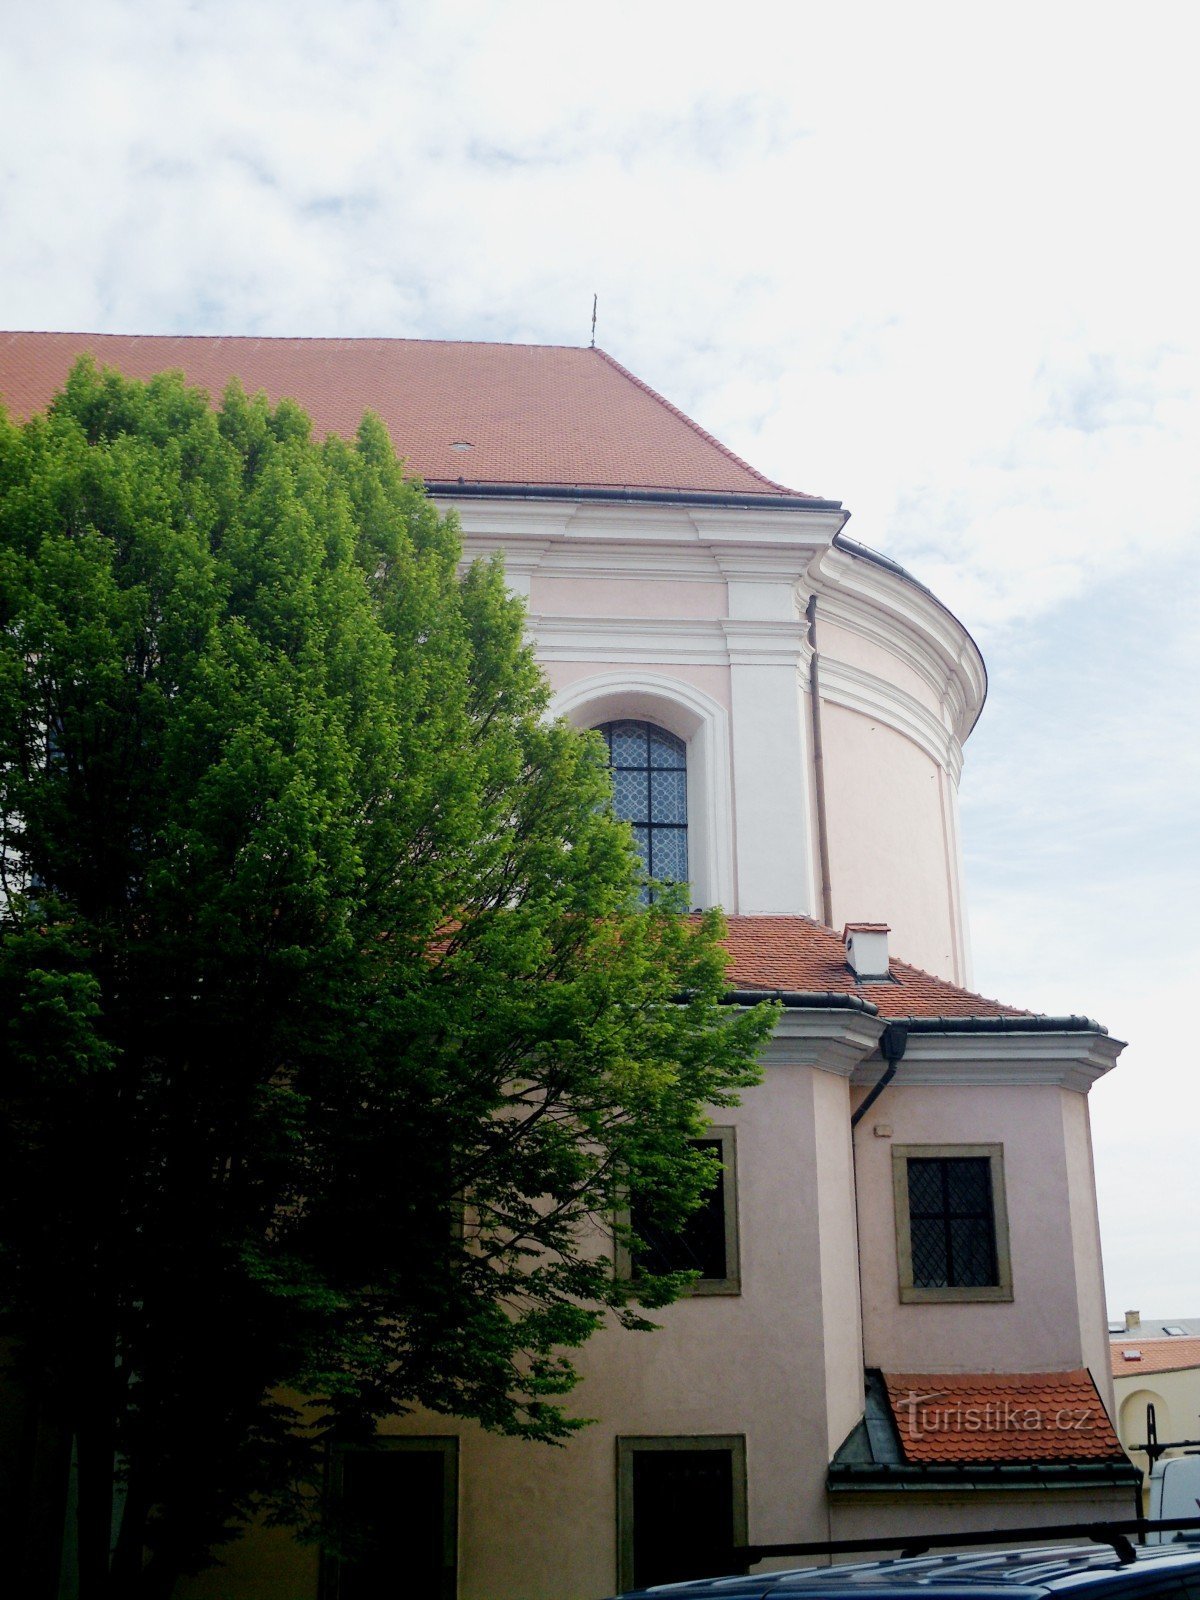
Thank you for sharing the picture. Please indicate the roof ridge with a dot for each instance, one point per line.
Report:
(297, 338)
(710, 438)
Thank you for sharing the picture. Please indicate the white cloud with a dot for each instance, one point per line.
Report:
(931, 259)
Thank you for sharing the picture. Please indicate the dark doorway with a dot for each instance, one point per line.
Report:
(683, 1514)
(398, 1506)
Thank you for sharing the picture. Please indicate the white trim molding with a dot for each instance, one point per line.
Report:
(872, 696)
(836, 1040)
(703, 724)
(1066, 1060)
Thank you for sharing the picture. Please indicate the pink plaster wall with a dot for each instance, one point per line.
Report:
(626, 597)
(1055, 1266)
(713, 680)
(890, 857)
(844, 644)
(538, 1523)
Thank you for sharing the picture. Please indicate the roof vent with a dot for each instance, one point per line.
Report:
(867, 949)
(1133, 1319)
(1131, 1355)
(461, 444)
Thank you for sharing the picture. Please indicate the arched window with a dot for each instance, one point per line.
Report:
(649, 772)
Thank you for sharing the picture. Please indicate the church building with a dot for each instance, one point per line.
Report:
(899, 1322)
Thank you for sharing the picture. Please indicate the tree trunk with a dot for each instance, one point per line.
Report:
(129, 1553)
(94, 1454)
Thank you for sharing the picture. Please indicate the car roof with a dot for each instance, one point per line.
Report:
(1088, 1569)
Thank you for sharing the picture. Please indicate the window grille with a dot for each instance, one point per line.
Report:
(649, 773)
(952, 1222)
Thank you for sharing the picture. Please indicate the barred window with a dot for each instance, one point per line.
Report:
(951, 1223)
(649, 773)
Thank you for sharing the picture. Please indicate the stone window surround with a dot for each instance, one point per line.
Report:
(731, 1283)
(446, 1445)
(630, 1445)
(913, 1294)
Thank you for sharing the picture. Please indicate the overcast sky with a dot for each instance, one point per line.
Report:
(937, 261)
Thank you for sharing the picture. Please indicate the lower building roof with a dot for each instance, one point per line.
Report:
(982, 1430)
(769, 953)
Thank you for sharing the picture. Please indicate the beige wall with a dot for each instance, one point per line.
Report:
(718, 605)
(1176, 1400)
(781, 1363)
(539, 1521)
(876, 1516)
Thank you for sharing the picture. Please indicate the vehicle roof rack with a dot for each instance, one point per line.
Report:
(1116, 1535)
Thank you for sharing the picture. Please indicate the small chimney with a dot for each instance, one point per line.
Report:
(867, 950)
(1133, 1319)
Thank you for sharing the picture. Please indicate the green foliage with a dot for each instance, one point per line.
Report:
(335, 1039)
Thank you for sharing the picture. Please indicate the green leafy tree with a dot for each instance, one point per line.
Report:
(334, 1037)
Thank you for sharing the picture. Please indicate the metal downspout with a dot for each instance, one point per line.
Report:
(814, 695)
(892, 1044)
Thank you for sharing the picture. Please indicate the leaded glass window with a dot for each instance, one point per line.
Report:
(952, 1222)
(700, 1245)
(649, 773)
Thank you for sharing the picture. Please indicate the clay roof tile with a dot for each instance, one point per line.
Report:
(1001, 1418)
(457, 411)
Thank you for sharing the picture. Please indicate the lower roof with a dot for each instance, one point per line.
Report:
(981, 1430)
(797, 953)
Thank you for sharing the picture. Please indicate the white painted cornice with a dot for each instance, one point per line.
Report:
(751, 642)
(966, 1060)
(834, 1041)
(873, 696)
(594, 559)
(896, 614)
(505, 521)
(684, 640)
(780, 529)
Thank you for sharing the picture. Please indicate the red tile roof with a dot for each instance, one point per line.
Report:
(531, 414)
(798, 953)
(1156, 1355)
(996, 1418)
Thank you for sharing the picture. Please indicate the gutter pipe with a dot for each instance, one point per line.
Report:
(460, 489)
(1003, 1025)
(892, 1044)
(800, 1000)
(814, 695)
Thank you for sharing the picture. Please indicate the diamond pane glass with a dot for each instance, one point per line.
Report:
(925, 1187)
(628, 744)
(952, 1222)
(649, 775)
(668, 859)
(630, 799)
(973, 1262)
(929, 1263)
(668, 797)
(969, 1186)
(666, 750)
